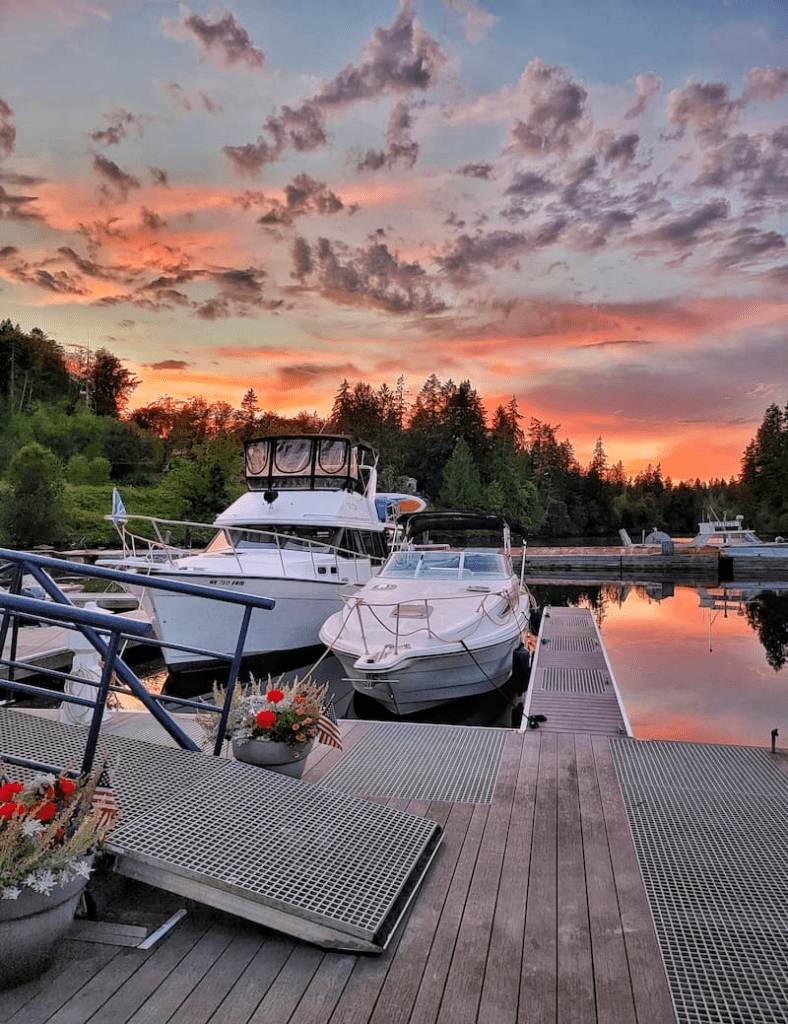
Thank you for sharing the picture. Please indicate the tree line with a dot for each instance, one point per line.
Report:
(68, 437)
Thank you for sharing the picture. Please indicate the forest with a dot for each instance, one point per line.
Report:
(68, 437)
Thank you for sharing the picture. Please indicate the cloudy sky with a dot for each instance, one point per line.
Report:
(581, 204)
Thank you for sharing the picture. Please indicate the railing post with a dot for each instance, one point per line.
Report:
(232, 679)
(100, 702)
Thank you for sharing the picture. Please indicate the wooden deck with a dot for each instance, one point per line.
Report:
(534, 910)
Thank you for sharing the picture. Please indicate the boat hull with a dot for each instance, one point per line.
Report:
(300, 608)
(427, 679)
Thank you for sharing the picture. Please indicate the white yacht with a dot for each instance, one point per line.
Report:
(733, 539)
(306, 528)
(437, 623)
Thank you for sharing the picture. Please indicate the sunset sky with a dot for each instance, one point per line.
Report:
(579, 204)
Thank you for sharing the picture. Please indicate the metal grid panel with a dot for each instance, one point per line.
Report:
(572, 680)
(325, 856)
(331, 858)
(422, 762)
(574, 644)
(710, 826)
(570, 620)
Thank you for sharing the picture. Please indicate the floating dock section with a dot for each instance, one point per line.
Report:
(572, 687)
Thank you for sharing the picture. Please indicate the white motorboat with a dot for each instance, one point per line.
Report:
(437, 623)
(306, 527)
(734, 540)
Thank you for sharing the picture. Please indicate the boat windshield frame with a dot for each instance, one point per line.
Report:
(447, 566)
(322, 462)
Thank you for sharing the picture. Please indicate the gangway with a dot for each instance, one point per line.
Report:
(310, 861)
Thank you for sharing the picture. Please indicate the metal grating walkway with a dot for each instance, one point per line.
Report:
(571, 683)
(421, 762)
(710, 826)
(321, 865)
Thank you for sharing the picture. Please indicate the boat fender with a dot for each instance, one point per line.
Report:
(521, 667)
(535, 620)
(535, 720)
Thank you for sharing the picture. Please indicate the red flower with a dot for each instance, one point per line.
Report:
(67, 787)
(299, 698)
(10, 789)
(274, 696)
(46, 811)
(265, 719)
(9, 809)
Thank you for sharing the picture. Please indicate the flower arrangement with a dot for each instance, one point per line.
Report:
(47, 826)
(284, 713)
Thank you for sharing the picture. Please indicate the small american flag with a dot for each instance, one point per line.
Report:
(104, 802)
(327, 728)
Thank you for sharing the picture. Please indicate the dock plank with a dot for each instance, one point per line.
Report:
(472, 953)
(574, 967)
(538, 987)
(500, 995)
(614, 999)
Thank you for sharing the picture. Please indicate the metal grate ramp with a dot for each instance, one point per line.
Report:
(572, 685)
(710, 827)
(421, 762)
(324, 866)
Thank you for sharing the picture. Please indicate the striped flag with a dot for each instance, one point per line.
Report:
(104, 802)
(327, 728)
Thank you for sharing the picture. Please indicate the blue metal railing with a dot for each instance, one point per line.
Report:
(92, 624)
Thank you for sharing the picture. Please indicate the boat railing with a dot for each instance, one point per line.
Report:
(392, 616)
(157, 551)
(104, 632)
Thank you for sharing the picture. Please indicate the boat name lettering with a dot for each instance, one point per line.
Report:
(225, 583)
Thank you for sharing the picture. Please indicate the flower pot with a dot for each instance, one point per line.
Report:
(276, 757)
(31, 928)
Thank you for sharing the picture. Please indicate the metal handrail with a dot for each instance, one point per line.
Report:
(310, 547)
(93, 624)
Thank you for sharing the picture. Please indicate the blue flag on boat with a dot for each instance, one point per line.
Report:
(118, 508)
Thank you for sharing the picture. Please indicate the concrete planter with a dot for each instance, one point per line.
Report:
(276, 757)
(31, 928)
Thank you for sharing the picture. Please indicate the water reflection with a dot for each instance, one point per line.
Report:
(693, 663)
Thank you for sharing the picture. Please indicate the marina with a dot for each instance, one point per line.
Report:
(575, 871)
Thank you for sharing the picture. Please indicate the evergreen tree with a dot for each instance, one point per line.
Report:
(462, 487)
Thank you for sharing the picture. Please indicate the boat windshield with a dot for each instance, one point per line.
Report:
(306, 463)
(447, 565)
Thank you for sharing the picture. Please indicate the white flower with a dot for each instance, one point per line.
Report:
(11, 893)
(32, 827)
(42, 881)
(80, 868)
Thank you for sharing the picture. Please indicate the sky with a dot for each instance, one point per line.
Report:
(580, 205)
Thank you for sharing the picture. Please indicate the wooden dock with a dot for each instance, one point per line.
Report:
(533, 910)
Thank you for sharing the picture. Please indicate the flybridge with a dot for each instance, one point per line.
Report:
(309, 462)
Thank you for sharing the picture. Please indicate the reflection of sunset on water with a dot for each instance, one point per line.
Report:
(691, 673)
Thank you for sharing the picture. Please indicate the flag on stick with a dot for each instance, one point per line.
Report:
(104, 802)
(327, 728)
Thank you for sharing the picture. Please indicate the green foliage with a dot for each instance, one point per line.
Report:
(34, 508)
(462, 487)
(200, 487)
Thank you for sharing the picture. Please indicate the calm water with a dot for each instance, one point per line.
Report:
(692, 663)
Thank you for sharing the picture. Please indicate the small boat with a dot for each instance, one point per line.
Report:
(733, 539)
(306, 527)
(437, 623)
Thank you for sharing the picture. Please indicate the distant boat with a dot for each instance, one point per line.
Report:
(437, 623)
(734, 540)
(306, 527)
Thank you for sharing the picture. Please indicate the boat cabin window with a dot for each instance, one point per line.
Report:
(307, 463)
